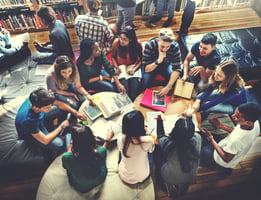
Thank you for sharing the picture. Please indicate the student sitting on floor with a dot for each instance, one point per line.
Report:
(177, 155)
(229, 151)
(207, 56)
(64, 81)
(11, 54)
(95, 70)
(134, 145)
(59, 44)
(127, 51)
(225, 92)
(85, 164)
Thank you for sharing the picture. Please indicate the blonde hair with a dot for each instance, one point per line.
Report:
(232, 79)
(166, 35)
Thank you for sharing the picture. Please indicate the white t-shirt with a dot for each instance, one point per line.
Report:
(238, 142)
(135, 168)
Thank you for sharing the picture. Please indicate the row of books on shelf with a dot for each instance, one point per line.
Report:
(26, 21)
(67, 16)
(4, 3)
(55, 1)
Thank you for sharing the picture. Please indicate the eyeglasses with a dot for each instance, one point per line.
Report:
(124, 39)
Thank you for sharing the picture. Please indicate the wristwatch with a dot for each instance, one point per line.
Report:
(62, 126)
(156, 62)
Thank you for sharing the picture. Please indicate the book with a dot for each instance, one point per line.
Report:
(183, 89)
(114, 105)
(124, 72)
(168, 123)
(158, 100)
(93, 112)
(147, 100)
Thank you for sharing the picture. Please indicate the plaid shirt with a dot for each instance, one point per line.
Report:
(95, 27)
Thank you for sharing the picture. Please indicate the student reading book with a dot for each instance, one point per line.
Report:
(183, 89)
(125, 72)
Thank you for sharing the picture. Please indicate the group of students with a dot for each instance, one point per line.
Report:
(43, 116)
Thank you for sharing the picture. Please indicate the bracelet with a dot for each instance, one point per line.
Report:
(108, 141)
(75, 112)
(169, 86)
(156, 62)
(210, 137)
(101, 77)
(62, 126)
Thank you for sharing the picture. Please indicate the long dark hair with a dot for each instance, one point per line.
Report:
(181, 134)
(135, 48)
(132, 126)
(83, 146)
(86, 48)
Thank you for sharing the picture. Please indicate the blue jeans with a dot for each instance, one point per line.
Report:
(207, 152)
(171, 8)
(125, 16)
(147, 77)
(132, 87)
(44, 57)
(187, 17)
(101, 86)
(219, 108)
(71, 101)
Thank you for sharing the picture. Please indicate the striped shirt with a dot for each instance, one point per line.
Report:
(95, 27)
(173, 57)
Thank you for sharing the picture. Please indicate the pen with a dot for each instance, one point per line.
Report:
(151, 131)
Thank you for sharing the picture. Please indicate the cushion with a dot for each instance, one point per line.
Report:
(55, 184)
(16, 83)
(243, 45)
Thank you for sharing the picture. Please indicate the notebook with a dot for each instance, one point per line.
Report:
(147, 100)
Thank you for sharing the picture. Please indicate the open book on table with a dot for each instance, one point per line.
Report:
(183, 89)
(116, 104)
(93, 112)
(124, 72)
(168, 123)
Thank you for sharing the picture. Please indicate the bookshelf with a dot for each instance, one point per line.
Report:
(20, 15)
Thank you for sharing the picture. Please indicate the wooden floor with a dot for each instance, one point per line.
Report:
(203, 22)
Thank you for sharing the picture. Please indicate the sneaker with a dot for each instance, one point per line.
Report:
(154, 19)
(167, 23)
(134, 27)
(150, 25)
